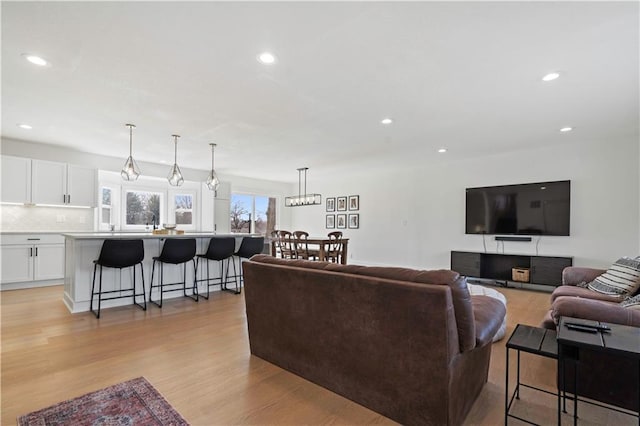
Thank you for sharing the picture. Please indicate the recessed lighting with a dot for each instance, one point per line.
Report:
(25, 126)
(36, 60)
(386, 121)
(551, 76)
(442, 150)
(266, 58)
(566, 129)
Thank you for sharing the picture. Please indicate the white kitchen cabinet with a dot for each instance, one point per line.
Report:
(81, 186)
(221, 216)
(16, 179)
(63, 184)
(31, 260)
(223, 192)
(17, 263)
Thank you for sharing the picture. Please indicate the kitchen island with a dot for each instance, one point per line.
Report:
(81, 249)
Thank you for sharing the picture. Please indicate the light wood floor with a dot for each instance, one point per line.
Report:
(197, 356)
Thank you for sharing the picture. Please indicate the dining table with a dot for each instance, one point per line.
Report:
(322, 243)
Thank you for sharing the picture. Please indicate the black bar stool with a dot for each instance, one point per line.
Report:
(175, 251)
(119, 254)
(220, 249)
(248, 247)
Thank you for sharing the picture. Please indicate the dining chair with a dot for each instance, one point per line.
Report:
(334, 253)
(287, 247)
(302, 247)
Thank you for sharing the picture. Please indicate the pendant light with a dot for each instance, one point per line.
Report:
(212, 179)
(130, 170)
(302, 199)
(175, 175)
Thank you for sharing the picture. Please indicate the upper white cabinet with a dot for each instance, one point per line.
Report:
(81, 186)
(224, 191)
(16, 180)
(63, 184)
(49, 182)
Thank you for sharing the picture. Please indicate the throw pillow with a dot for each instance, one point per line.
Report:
(631, 302)
(621, 279)
(583, 284)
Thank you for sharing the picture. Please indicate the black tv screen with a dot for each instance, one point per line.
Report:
(529, 209)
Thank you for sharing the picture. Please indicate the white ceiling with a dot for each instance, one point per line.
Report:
(463, 75)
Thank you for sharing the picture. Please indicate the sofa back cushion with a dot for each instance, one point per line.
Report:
(463, 308)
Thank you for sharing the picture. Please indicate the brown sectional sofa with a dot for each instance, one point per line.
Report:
(608, 378)
(411, 345)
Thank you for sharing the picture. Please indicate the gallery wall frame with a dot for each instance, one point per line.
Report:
(354, 202)
(330, 221)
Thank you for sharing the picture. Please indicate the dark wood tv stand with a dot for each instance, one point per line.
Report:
(544, 270)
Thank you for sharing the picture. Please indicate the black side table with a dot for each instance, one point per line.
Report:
(534, 340)
(621, 340)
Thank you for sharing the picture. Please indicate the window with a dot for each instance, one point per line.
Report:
(142, 208)
(105, 208)
(182, 209)
(253, 214)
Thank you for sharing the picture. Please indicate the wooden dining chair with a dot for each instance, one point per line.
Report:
(276, 243)
(302, 247)
(335, 250)
(287, 248)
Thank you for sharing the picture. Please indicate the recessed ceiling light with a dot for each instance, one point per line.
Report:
(36, 60)
(551, 76)
(566, 129)
(266, 58)
(442, 150)
(25, 126)
(386, 121)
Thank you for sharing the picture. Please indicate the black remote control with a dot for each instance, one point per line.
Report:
(601, 327)
(579, 327)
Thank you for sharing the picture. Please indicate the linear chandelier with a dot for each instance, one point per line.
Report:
(302, 199)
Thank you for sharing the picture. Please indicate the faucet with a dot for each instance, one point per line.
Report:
(153, 220)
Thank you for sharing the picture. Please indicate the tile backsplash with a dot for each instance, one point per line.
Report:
(37, 218)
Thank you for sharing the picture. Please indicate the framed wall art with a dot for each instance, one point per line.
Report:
(354, 221)
(354, 202)
(342, 204)
(342, 220)
(330, 221)
(331, 204)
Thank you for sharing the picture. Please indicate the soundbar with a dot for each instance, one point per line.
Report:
(508, 238)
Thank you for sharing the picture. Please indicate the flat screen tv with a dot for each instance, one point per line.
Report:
(529, 209)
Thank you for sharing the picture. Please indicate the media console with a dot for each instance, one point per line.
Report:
(544, 270)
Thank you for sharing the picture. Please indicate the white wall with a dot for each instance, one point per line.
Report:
(44, 218)
(416, 217)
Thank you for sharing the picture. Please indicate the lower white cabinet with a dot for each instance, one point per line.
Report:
(31, 260)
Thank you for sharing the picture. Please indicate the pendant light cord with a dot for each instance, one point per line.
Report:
(175, 149)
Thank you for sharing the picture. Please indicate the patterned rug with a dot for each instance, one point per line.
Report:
(135, 402)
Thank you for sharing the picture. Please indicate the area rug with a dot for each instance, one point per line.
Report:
(134, 402)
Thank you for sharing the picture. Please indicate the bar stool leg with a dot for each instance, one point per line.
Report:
(99, 293)
(93, 286)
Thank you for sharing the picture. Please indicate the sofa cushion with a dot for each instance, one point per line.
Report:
(488, 314)
(574, 291)
(595, 310)
(621, 279)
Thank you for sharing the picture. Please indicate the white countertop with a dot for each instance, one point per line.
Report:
(146, 235)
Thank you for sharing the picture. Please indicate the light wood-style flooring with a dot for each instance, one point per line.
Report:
(197, 356)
